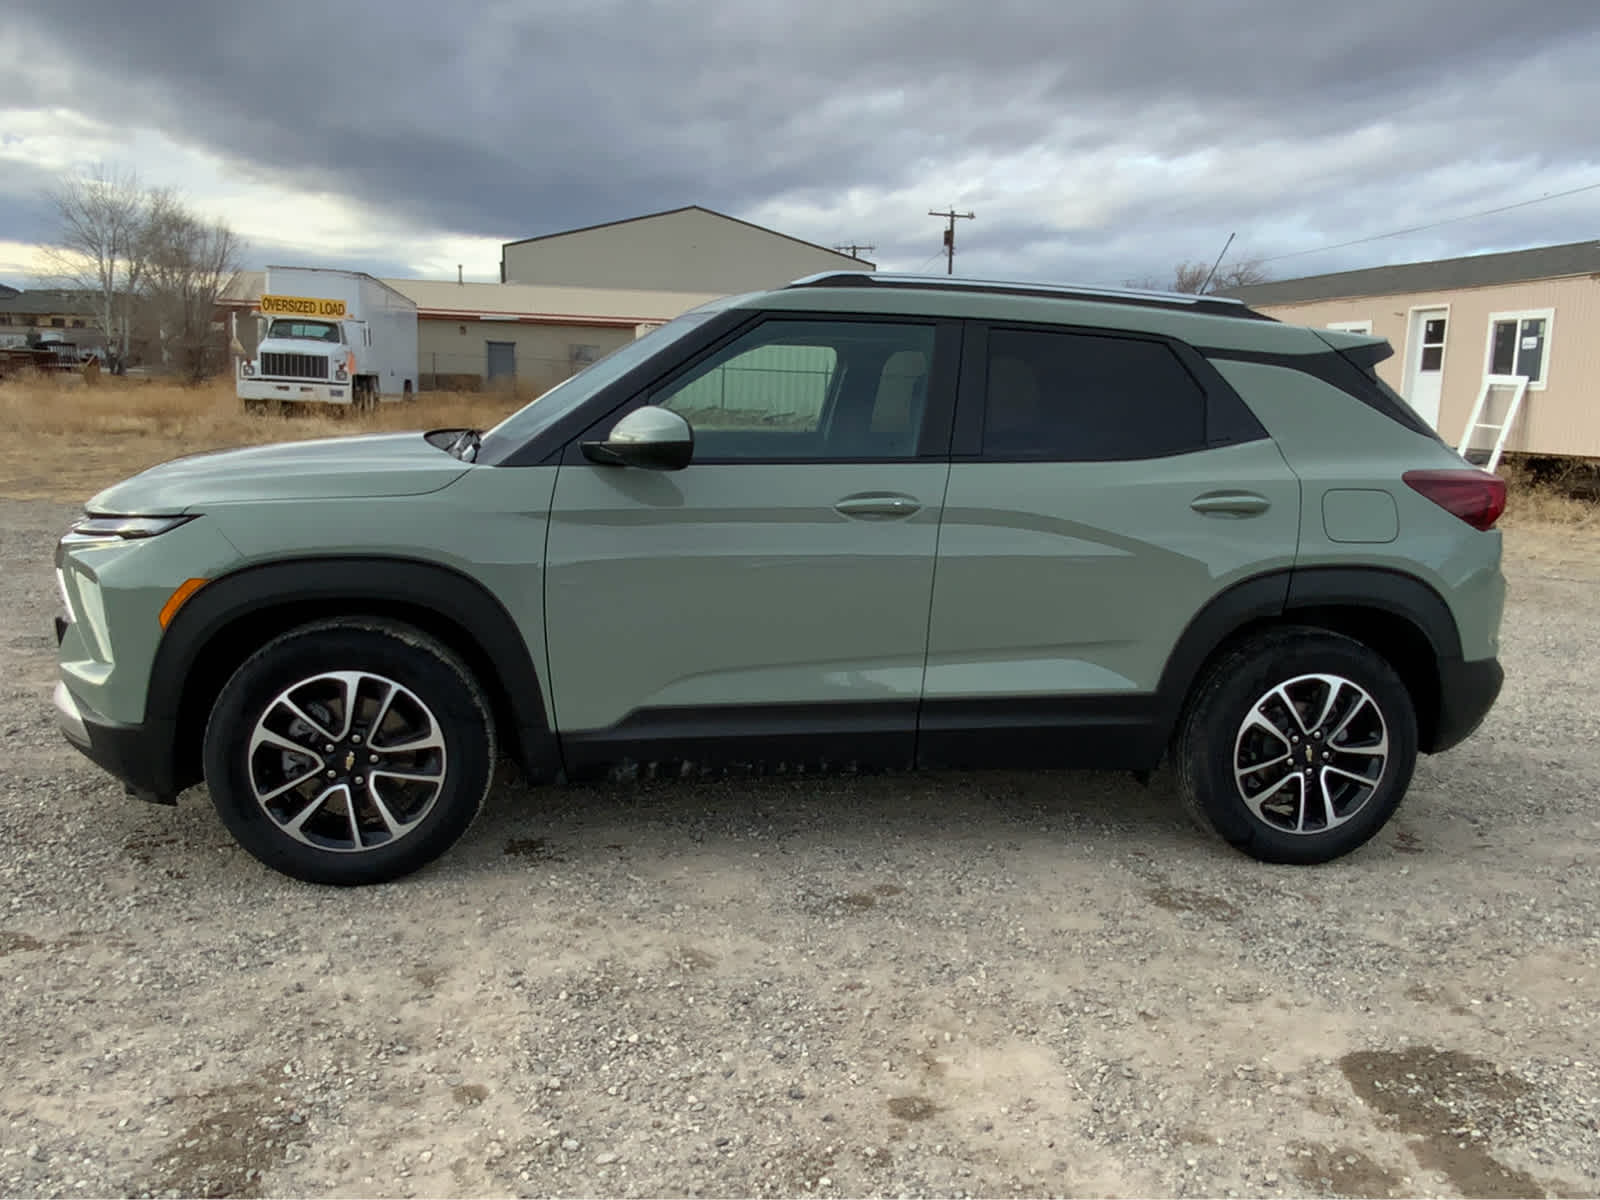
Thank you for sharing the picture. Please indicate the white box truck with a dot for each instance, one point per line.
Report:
(330, 337)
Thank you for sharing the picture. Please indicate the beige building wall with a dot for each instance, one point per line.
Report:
(689, 250)
(1562, 417)
(454, 355)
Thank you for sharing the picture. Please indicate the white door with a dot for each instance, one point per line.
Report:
(1425, 361)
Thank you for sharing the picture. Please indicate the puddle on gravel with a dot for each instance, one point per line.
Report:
(912, 1108)
(241, 1132)
(1451, 1102)
(1345, 1171)
(12, 942)
(856, 901)
(537, 849)
(1407, 842)
(691, 958)
(1175, 899)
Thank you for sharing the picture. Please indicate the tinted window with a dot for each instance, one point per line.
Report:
(1071, 396)
(795, 390)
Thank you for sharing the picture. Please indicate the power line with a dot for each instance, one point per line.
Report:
(1488, 212)
(853, 250)
(950, 237)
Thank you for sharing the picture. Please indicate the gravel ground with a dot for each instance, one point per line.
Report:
(1003, 984)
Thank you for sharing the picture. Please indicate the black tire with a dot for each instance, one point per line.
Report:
(395, 826)
(1214, 740)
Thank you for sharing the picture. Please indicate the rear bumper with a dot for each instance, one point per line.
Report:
(1467, 691)
(136, 754)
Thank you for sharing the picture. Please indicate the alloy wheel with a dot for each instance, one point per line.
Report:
(1310, 753)
(347, 761)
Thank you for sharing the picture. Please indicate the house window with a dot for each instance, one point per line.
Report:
(583, 354)
(1519, 344)
(58, 322)
(1351, 326)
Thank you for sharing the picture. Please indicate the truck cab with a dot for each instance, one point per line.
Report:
(305, 359)
(350, 342)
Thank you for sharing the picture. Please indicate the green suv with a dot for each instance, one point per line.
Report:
(862, 521)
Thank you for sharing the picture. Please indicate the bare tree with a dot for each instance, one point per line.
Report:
(101, 241)
(1192, 276)
(189, 263)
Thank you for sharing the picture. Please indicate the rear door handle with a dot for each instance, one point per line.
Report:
(1230, 504)
(878, 506)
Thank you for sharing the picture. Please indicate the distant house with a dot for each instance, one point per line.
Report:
(50, 313)
(6, 291)
(1530, 313)
(690, 249)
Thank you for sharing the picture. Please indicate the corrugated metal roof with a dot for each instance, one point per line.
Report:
(570, 305)
(1444, 274)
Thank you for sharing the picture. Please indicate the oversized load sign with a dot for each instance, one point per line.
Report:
(302, 306)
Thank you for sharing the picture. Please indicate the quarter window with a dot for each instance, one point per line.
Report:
(1086, 398)
(1519, 344)
(796, 390)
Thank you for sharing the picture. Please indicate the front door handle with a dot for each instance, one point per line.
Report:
(878, 506)
(1230, 504)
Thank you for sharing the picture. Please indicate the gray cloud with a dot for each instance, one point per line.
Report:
(1170, 124)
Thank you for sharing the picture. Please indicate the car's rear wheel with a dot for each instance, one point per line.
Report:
(349, 752)
(1298, 745)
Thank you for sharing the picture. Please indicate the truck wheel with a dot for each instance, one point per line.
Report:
(1297, 746)
(349, 752)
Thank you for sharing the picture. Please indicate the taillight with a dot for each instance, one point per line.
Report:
(1477, 497)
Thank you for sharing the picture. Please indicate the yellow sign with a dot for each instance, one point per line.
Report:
(302, 306)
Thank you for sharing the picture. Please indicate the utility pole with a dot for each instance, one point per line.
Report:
(853, 250)
(950, 236)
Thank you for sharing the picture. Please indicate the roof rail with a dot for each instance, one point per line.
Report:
(1219, 305)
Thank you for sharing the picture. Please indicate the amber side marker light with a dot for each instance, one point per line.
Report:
(176, 601)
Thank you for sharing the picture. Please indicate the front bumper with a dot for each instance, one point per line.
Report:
(1467, 691)
(293, 391)
(139, 755)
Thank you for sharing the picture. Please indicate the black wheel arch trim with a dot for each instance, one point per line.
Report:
(1281, 594)
(305, 589)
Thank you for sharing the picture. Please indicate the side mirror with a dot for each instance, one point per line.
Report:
(654, 438)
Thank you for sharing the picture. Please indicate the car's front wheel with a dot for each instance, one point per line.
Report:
(1298, 745)
(349, 752)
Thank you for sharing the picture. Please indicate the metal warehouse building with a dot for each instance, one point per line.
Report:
(690, 249)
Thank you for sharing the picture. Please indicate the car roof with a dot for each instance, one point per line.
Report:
(1202, 321)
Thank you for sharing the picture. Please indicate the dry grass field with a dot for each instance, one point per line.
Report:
(65, 439)
(68, 439)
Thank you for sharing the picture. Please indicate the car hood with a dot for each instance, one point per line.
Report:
(389, 464)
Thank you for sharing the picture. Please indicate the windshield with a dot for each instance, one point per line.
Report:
(567, 395)
(307, 331)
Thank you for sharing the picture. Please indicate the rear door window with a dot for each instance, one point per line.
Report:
(1078, 397)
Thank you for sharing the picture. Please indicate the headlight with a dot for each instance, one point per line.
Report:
(247, 369)
(341, 374)
(103, 530)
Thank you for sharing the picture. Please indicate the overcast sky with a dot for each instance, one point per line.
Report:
(1100, 142)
